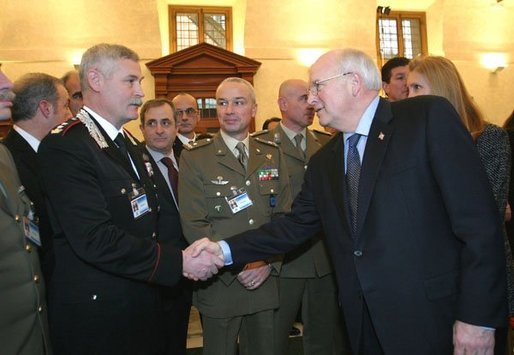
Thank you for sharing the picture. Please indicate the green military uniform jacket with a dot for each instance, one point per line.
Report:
(311, 259)
(23, 312)
(209, 172)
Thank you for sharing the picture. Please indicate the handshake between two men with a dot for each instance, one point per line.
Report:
(202, 260)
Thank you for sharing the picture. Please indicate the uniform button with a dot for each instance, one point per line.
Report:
(28, 248)
(218, 193)
(357, 253)
(272, 191)
(251, 221)
(305, 167)
(36, 278)
(154, 235)
(123, 191)
(17, 218)
(40, 309)
(248, 182)
(94, 297)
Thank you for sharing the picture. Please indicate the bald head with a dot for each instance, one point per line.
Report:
(186, 113)
(296, 112)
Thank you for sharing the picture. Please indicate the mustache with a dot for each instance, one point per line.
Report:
(136, 101)
(7, 95)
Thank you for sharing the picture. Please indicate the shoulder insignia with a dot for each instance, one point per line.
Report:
(264, 141)
(259, 133)
(198, 144)
(317, 131)
(65, 126)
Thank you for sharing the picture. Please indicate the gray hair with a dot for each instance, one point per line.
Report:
(30, 89)
(234, 79)
(104, 57)
(356, 61)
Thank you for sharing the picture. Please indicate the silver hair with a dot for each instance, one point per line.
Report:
(356, 61)
(104, 57)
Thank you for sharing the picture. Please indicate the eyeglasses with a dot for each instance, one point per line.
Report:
(315, 88)
(188, 111)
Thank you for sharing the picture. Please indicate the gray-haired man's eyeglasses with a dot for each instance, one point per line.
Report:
(315, 87)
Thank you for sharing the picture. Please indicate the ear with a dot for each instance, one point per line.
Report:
(282, 103)
(356, 84)
(254, 110)
(94, 79)
(46, 108)
(385, 86)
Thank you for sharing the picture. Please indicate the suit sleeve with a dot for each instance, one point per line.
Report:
(78, 200)
(473, 215)
(282, 234)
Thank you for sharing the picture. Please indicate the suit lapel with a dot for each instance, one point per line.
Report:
(335, 172)
(286, 145)
(376, 146)
(313, 144)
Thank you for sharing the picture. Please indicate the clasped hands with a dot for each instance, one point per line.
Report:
(203, 259)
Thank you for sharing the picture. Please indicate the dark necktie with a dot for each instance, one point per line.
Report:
(172, 175)
(353, 171)
(243, 157)
(120, 142)
(298, 140)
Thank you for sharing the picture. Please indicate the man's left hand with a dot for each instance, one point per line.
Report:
(472, 339)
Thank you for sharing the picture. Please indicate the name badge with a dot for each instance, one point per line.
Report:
(138, 202)
(239, 200)
(31, 231)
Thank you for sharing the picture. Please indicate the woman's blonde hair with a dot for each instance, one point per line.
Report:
(445, 81)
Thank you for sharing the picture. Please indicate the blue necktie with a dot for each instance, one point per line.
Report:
(353, 172)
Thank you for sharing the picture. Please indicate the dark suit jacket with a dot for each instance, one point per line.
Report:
(101, 296)
(176, 300)
(428, 248)
(26, 162)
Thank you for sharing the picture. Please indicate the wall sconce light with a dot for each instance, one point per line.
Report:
(494, 62)
(307, 56)
(381, 10)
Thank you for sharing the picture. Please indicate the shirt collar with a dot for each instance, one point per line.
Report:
(184, 139)
(157, 156)
(366, 120)
(31, 140)
(232, 142)
(107, 126)
(291, 134)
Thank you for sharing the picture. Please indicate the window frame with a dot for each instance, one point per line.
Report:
(399, 16)
(200, 11)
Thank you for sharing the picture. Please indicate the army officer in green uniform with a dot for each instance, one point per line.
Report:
(229, 184)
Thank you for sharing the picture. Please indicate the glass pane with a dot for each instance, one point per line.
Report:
(411, 37)
(215, 28)
(187, 30)
(207, 107)
(388, 37)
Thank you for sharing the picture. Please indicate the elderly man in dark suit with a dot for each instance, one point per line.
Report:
(41, 103)
(103, 209)
(408, 214)
(23, 311)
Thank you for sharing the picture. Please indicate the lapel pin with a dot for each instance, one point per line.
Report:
(381, 136)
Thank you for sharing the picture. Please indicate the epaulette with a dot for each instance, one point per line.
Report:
(260, 140)
(259, 133)
(321, 132)
(197, 144)
(65, 126)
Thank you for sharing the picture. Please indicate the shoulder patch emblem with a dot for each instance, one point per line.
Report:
(198, 144)
(259, 133)
(266, 142)
(65, 126)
